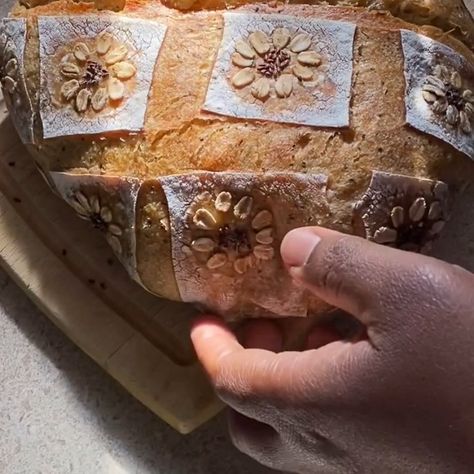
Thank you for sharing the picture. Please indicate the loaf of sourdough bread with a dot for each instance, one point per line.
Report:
(195, 134)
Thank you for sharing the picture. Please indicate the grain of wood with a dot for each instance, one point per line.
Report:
(68, 270)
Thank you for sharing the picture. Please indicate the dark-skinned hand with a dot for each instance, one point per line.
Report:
(399, 400)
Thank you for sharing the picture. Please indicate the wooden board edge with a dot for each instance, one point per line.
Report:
(185, 409)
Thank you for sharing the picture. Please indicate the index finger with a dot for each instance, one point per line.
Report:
(252, 380)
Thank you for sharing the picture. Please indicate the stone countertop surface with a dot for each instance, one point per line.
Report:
(61, 413)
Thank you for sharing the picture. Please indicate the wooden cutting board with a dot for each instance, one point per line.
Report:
(68, 270)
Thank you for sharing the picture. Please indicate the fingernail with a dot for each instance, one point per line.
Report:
(297, 247)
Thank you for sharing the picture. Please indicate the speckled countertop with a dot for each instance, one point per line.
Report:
(61, 413)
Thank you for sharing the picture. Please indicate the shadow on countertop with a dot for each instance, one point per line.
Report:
(132, 433)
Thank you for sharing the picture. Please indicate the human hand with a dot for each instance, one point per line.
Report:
(399, 400)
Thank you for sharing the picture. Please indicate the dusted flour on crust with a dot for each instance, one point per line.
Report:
(440, 85)
(226, 232)
(95, 73)
(109, 204)
(284, 69)
(195, 141)
(12, 47)
(402, 211)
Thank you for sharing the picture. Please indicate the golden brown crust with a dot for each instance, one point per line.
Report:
(181, 138)
(154, 262)
(448, 15)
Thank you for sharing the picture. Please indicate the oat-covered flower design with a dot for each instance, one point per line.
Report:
(94, 75)
(412, 227)
(401, 211)
(101, 217)
(449, 98)
(273, 65)
(229, 232)
(9, 70)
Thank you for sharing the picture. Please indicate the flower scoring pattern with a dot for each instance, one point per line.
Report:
(439, 91)
(274, 65)
(403, 212)
(412, 227)
(101, 217)
(8, 67)
(95, 75)
(447, 96)
(13, 37)
(264, 59)
(230, 233)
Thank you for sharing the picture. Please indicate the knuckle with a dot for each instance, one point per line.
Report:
(262, 454)
(264, 450)
(329, 264)
(429, 278)
(331, 279)
(232, 387)
(223, 385)
(438, 283)
(222, 378)
(339, 267)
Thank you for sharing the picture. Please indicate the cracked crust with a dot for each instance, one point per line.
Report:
(180, 137)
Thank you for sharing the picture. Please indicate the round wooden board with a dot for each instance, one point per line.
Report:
(70, 273)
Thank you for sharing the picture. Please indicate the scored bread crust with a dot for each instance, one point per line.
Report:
(180, 138)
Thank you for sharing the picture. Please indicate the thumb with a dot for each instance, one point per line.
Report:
(360, 277)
